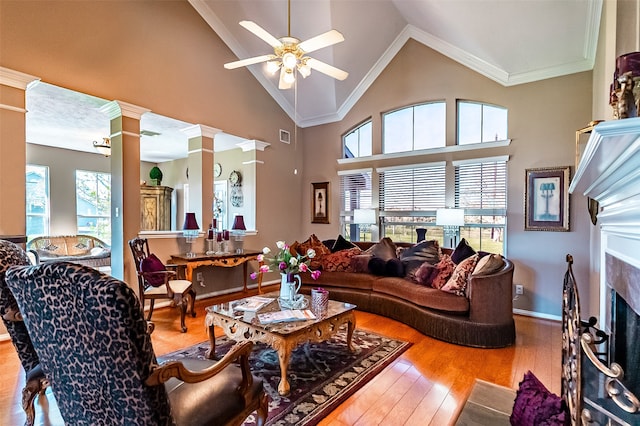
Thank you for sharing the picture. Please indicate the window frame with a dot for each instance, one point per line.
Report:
(105, 217)
(46, 215)
(357, 129)
(482, 121)
(413, 127)
(347, 227)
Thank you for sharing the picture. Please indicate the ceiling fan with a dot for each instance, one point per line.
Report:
(289, 54)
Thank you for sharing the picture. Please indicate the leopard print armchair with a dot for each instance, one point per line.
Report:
(12, 255)
(91, 337)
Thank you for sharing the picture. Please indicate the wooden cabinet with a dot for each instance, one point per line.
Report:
(155, 208)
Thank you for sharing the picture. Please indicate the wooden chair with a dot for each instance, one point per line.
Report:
(160, 284)
(91, 337)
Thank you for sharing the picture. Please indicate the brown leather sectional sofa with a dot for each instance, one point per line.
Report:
(483, 318)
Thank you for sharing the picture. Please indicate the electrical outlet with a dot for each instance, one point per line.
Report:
(199, 277)
(519, 289)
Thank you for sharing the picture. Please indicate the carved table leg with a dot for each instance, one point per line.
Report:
(211, 353)
(284, 355)
(351, 326)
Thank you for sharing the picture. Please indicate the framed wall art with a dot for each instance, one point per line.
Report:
(546, 199)
(320, 202)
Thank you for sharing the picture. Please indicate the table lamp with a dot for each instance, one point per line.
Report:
(190, 230)
(238, 229)
(451, 220)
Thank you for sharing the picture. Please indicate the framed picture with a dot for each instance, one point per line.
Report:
(320, 202)
(546, 199)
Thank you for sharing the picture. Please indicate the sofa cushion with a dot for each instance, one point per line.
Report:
(422, 295)
(412, 258)
(444, 270)
(358, 281)
(457, 284)
(340, 261)
(152, 264)
(385, 249)
(360, 262)
(488, 265)
(341, 244)
(462, 251)
(535, 405)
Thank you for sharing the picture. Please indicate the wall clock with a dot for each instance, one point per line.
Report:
(235, 178)
(217, 170)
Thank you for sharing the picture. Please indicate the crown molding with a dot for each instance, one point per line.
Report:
(252, 145)
(17, 79)
(115, 109)
(200, 130)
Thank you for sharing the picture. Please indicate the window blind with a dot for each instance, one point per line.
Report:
(413, 189)
(482, 186)
(355, 191)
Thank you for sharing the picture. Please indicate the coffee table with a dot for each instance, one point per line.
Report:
(284, 337)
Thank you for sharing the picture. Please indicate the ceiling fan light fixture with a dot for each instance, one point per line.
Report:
(289, 60)
(103, 147)
(304, 70)
(289, 77)
(273, 67)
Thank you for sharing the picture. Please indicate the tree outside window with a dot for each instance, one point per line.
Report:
(93, 204)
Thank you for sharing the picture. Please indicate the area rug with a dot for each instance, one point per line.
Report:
(321, 375)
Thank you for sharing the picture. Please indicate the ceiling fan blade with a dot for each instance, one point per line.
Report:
(283, 85)
(248, 61)
(261, 32)
(327, 69)
(323, 40)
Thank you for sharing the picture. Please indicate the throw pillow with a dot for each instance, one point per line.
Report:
(360, 262)
(427, 251)
(394, 268)
(341, 244)
(425, 273)
(313, 243)
(384, 249)
(442, 272)
(151, 263)
(535, 405)
(377, 265)
(462, 251)
(489, 265)
(457, 284)
(340, 261)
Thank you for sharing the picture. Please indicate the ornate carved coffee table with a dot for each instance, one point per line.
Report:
(284, 337)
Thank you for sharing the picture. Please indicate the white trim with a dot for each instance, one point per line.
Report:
(198, 130)
(496, 159)
(124, 133)
(252, 145)
(355, 171)
(253, 162)
(13, 108)
(537, 315)
(411, 166)
(432, 151)
(115, 109)
(5, 337)
(17, 79)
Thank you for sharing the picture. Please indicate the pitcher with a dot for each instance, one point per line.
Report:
(289, 286)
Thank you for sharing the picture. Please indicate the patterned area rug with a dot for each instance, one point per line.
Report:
(321, 375)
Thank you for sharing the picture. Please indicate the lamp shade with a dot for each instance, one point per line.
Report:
(450, 217)
(103, 147)
(238, 223)
(190, 222)
(364, 216)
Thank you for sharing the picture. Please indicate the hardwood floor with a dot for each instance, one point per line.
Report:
(427, 385)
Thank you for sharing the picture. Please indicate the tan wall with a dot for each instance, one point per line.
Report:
(543, 117)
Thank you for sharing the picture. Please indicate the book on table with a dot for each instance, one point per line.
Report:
(286, 315)
(253, 303)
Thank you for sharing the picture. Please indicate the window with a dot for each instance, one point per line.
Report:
(37, 198)
(409, 198)
(414, 128)
(481, 189)
(355, 193)
(478, 122)
(358, 142)
(93, 204)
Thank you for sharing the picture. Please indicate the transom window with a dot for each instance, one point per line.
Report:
(37, 198)
(478, 122)
(358, 142)
(414, 128)
(93, 204)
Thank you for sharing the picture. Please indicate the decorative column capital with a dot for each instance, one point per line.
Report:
(115, 109)
(17, 79)
(200, 130)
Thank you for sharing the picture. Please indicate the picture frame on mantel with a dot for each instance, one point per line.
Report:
(320, 202)
(546, 199)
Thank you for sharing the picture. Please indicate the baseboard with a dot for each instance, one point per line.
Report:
(537, 315)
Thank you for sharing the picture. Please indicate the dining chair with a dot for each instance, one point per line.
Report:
(156, 282)
(91, 337)
(35, 380)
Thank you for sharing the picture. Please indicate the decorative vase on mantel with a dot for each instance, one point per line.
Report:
(289, 286)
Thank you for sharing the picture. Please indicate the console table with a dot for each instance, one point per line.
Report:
(225, 260)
